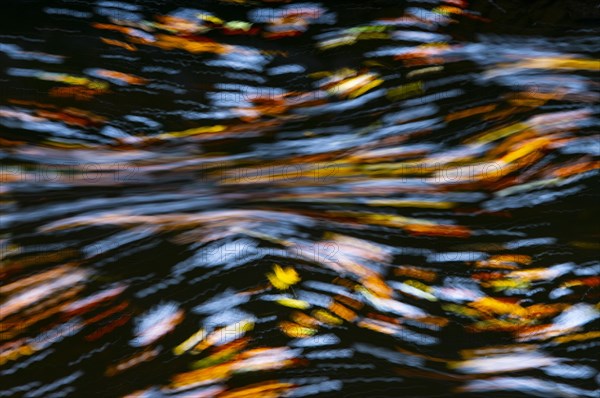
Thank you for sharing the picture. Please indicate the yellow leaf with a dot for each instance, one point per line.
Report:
(190, 342)
(293, 303)
(283, 278)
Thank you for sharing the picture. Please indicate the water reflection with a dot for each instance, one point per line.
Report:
(271, 199)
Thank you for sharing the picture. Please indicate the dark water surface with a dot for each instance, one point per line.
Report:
(285, 199)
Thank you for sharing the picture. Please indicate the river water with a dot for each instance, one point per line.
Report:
(284, 199)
